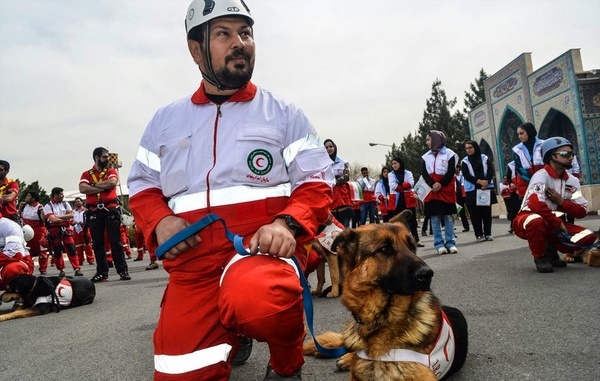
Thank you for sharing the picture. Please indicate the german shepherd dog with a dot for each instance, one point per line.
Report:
(41, 295)
(399, 330)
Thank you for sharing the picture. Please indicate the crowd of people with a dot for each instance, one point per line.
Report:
(58, 228)
(237, 151)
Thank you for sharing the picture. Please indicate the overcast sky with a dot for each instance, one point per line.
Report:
(79, 74)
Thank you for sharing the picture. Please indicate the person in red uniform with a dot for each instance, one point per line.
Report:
(32, 213)
(14, 256)
(59, 216)
(9, 191)
(99, 184)
(83, 238)
(140, 243)
(240, 152)
(551, 194)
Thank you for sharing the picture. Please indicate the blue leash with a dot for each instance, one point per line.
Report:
(238, 244)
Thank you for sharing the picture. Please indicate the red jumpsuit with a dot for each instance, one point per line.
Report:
(248, 160)
(539, 219)
(14, 257)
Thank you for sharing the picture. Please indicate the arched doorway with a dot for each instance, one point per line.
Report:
(558, 124)
(508, 138)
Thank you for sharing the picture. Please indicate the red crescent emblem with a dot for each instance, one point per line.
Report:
(258, 162)
(60, 288)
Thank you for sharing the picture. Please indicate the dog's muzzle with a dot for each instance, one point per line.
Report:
(408, 279)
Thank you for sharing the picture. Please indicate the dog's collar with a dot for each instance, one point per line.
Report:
(439, 360)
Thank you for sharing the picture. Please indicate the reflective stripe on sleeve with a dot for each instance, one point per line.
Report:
(227, 196)
(309, 142)
(172, 364)
(148, 158)
(14, 238)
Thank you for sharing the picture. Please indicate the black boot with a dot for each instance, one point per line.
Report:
(543, 265)
(271, 375)
(552, 254)
(244, 351)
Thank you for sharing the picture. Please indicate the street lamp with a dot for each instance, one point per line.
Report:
(380, 144)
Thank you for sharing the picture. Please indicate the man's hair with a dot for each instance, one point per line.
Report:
(364, 169)
(5, 164)
(55, 191)
(98, 151)
(34, 195)
(78, 198)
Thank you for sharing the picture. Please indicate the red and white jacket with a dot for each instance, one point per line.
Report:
(437, 167)
(195, 156)
(569, 188)
(525, 165)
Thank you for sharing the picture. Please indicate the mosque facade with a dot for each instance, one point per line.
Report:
(559, 99)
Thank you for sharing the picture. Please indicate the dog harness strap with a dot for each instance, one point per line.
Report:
(439, 360)
(241, 250)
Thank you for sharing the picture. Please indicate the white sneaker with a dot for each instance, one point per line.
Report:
(453, 250)
(489, 238)
(442, 250)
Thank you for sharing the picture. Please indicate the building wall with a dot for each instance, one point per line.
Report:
(517, 94)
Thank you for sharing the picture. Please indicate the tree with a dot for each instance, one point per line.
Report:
(477, 95)
(35, 186)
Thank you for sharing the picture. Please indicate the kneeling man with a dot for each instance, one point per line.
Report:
(552, 194)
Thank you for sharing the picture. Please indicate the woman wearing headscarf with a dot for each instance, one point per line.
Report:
(527, 156)
(342, 202)
(402, 182)
(478, 173)
(386, 199)
(439, 165)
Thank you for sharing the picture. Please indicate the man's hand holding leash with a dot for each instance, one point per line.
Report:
(167, 227)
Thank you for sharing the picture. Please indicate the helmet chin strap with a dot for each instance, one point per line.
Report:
(562, 165)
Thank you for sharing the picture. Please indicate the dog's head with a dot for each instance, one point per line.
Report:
(18, 288)
(383, 256)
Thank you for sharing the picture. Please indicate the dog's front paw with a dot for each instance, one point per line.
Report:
(333, 294)
(344, 362)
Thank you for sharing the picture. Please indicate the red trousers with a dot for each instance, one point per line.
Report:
(62, 239)
(83, 244)
(260, 297)
(13, 266)
(533, 228)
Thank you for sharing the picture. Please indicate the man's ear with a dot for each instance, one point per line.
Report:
(194, 48)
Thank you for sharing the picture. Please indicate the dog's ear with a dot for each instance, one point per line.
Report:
(402, 218)
(346, 246)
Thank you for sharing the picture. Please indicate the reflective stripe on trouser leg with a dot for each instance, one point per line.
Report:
(172, 364)
(532, 228)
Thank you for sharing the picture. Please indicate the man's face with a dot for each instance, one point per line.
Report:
(102, 160)
(563, 155)
(232, 51)
(58, 197)
(28, 199)
(3, 173)
(78, 203)
(365, 173)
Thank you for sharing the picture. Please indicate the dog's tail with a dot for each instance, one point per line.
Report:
(327, 340)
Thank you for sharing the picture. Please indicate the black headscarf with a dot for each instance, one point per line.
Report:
(438, 140)
(332, 157)
(400, 172)
(475, 159)
(385, 180)
(531, 134)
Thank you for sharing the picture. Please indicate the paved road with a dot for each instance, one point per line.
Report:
(523, 325)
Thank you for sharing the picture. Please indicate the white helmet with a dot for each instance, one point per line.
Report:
(28, 233)
(201, 11)
(127, 220)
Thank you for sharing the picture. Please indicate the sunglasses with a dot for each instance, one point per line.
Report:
(565, 154)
